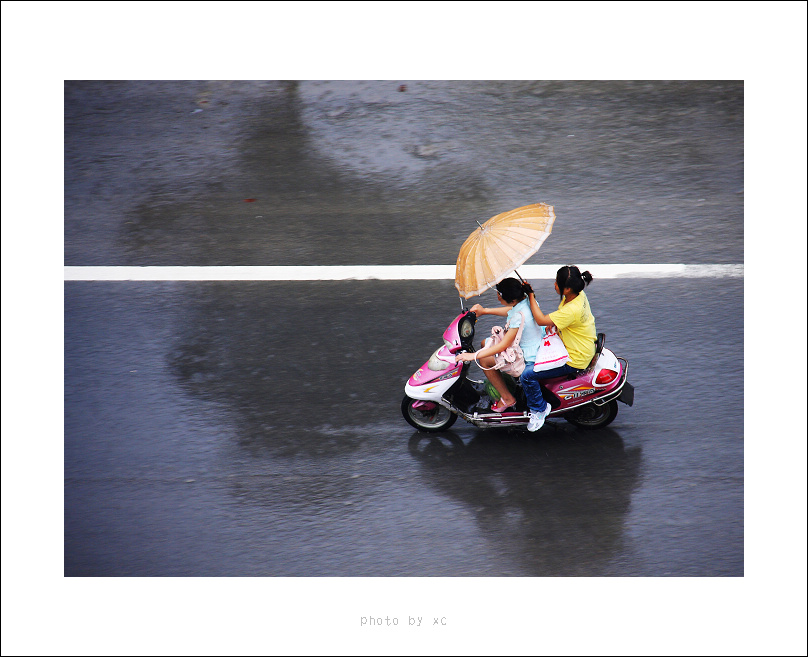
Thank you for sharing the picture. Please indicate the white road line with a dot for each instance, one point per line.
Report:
(382, 272)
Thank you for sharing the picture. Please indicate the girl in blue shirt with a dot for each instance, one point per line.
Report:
(514, 301)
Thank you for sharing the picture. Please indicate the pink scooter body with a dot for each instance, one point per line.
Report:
(599, 381)
(451, 346)
(587, 400)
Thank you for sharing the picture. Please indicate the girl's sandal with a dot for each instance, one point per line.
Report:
(500, 407)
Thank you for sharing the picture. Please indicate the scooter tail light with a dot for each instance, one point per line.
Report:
(605, 376)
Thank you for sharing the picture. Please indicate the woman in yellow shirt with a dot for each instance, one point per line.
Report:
(576, 326)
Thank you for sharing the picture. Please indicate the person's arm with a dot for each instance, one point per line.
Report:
(507, 341)
(538, 315)
(479, 310)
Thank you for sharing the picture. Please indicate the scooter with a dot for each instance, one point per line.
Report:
(440, 391)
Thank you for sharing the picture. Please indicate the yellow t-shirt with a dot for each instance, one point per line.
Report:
(576, 325)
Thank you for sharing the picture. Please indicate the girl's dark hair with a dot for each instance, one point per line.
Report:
(510, 290)
(571, 277)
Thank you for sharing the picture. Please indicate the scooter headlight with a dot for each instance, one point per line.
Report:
(466, 328)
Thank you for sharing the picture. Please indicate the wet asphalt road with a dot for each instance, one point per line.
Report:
(194, 446)
(254, 428)
(282, 173)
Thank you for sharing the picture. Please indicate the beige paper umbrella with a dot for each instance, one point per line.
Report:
(500, 245)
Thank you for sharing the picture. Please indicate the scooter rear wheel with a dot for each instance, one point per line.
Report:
(430, 420)
(591, 416)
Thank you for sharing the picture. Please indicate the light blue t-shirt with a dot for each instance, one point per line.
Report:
(531, 334)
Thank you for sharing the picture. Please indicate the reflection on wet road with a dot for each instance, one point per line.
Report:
(254, 429)
(550, 507)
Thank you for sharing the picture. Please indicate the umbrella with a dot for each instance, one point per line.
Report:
(500, 245)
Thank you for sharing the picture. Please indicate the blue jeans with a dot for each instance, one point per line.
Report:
(531, 384)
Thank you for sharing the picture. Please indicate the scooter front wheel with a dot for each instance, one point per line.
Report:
(427, 416)
(591, 416)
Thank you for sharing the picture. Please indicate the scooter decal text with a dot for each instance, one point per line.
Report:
(575, 393)
(450, 375)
